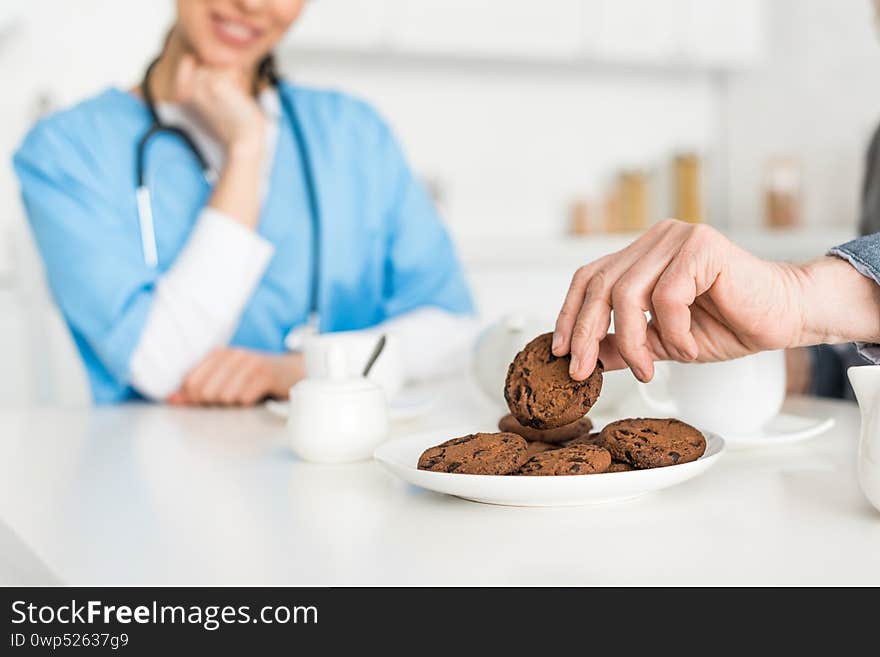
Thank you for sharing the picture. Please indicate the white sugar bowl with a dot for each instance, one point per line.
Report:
(337, 418)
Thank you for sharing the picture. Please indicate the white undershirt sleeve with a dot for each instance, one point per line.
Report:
(434, 342)
(198, 302)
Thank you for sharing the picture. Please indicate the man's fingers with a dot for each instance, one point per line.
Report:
(610, 355)
(690, 274)
(609, 351)
(571, 306)
(631, 298)
(630, 327)
(590, 327)
(672, 298)
(574, 326)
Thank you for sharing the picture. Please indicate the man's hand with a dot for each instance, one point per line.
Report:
(709, 300)
(239, 377)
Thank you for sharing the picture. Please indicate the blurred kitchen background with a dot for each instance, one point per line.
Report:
(548, 131)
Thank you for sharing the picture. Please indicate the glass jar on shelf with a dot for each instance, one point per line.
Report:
(782, 193)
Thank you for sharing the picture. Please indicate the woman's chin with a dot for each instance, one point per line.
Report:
(220, 56)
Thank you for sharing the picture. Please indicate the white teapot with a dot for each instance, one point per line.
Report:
(496, 347)
(499, 343)
(337, 418)
(866, 383)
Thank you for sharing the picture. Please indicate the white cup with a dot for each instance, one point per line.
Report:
(731, 397)
(337, 419)
(356, 347)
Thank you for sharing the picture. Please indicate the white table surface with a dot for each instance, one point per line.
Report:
(151, 495)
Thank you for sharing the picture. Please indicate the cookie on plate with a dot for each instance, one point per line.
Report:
(559, 435)
(537, 447)
(594, 438)
(619, 466)
(653, 443)
(477, 453)
(575, 460)
(540, 393)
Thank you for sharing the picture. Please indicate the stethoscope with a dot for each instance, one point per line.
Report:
(144, 201)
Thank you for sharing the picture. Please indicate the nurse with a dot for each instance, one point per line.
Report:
(268, 204)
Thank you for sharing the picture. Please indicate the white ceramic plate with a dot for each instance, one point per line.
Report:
(784, 429)
(401, 457)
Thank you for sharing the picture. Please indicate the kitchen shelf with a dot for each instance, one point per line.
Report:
(391, 56)
(679, 36)
(491, 253)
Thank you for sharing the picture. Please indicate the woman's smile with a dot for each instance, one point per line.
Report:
(235, 32)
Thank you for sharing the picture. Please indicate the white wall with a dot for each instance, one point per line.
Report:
(64, 50)
(817, 98)
(511, 144)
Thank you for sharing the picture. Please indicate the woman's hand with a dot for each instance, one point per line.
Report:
(222, 98)
(709, 300)
(239, 377)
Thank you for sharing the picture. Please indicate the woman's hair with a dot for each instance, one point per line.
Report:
(267, 70)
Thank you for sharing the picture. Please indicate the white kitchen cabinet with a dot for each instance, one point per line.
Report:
(343, 24)
(726, 34)
(506, 28)
(715, 34)
(637, 30)
(698, 33)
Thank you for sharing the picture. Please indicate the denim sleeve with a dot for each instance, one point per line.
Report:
(863, 254)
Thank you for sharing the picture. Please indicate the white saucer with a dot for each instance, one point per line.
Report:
(405, 406)
(401, 457)
(784, 429)
(409, 405)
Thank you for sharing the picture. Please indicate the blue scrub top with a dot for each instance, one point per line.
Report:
(384, 250)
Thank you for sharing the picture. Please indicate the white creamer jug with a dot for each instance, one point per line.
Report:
(337, 419)
(866, 383)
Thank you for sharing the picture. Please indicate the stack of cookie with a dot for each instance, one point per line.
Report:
(547, 433)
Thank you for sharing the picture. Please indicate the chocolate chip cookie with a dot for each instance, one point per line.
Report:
(536, 447)
(653, 443)
(619, 466)
(575, 460)
(574, 430)
(540, 393)
(478, 453)
(594, 438)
